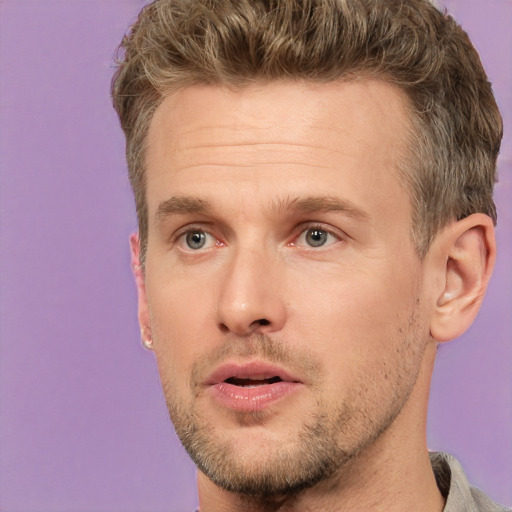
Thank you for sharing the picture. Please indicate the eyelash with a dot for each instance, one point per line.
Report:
(182, 233)
(301, 231)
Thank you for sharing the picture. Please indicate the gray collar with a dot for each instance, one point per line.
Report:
(454, 486)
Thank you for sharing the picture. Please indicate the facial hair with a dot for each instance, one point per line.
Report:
(330, 436)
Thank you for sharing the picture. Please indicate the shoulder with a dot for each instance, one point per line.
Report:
(484, 503)
(453, 484)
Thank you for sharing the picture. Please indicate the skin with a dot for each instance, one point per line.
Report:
(356, 320)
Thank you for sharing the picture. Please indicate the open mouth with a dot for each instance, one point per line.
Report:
(252, 383)
(251, 386)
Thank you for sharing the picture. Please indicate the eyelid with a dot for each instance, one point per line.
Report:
(185, 228)
(304, 227)
(301, 229)
(179, 236)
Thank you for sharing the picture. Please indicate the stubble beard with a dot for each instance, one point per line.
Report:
(323, 446)
(286, 470)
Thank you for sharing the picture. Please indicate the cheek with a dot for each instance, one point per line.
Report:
(181, 322)
(355, 316)
(350, 299)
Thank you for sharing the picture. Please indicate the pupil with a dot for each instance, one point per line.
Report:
(316, 237)
(196, 239)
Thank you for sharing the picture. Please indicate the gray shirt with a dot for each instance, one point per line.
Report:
(454, 486)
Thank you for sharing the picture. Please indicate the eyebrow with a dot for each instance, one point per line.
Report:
(183, 205)
(317, 204)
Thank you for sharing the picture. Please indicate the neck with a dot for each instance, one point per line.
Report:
(393, 474)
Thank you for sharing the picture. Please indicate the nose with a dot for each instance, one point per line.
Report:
(252, 292)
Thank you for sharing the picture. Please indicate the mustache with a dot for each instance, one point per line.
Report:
(256, 346)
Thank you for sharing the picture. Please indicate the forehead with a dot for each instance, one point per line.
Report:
(281, 109)
(277, 138)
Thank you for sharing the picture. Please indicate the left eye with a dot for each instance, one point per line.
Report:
(316, 237)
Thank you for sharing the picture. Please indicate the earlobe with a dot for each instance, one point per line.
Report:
(469, 259)
(143, 309)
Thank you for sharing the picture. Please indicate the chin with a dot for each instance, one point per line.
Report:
(256, 460)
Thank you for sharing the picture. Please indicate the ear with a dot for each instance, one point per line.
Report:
(143, 309)
(469, 253)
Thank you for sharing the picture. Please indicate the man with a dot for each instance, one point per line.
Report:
(313, 182)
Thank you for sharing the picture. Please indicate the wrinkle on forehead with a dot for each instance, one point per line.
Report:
(344, 140)
(207, 116)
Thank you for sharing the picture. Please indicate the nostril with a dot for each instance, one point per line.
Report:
(224, 327)
(241, 328)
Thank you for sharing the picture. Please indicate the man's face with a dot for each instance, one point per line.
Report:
(284, 294)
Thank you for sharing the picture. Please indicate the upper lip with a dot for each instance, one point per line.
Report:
(254, 370)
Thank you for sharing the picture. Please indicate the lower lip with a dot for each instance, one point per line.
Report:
(255, 398)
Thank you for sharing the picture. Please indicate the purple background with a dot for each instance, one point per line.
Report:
(83, 425)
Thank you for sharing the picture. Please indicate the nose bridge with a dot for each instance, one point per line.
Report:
(251, 294)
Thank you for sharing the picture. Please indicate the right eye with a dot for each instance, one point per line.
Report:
(196, 239)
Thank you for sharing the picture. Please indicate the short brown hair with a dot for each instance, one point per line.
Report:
(457, 128)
